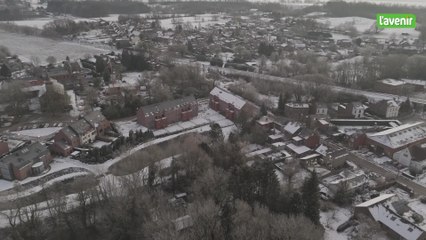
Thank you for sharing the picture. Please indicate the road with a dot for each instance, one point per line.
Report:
(370, 166)
(368, 94)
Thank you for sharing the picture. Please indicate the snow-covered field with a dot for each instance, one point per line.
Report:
(331, 220)
(40, 22)
(30, 46)
(38, 132)
(365, 24)
(132, 78)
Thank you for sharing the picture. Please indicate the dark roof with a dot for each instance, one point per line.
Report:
(69, 132)
(418, 152)
(81, 127)
(163, 106)
(25, 155)
(94, 118)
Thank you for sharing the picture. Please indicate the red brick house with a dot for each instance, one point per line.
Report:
(228, 104)
(4, 148)
(84, 131)
(310, 138)
(395, 139)
(19, 164)
(297, 110)
(161, 115)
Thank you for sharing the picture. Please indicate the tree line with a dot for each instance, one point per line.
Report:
(96, 8)
(226, 200)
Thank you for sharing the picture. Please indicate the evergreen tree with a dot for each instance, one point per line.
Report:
(216, 132)
(151, 175)
(227, 211)
(100, 65)
(406, 106)
(269, 186)
(263, 110)
(310, 198)
(5, 71)
(106, 76)
(295, 204)
(281, 104)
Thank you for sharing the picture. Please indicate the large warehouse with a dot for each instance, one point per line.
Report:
(398, 138)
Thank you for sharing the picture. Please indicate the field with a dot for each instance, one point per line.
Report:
(364, 24)
(29, 46)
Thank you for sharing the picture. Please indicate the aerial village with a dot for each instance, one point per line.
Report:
(307, 94)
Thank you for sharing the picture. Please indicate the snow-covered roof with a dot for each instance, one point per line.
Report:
(228, 97)
(297, 138)
(314, 155)
(278, 144)
(392, 82)
(292, 127)
(298, 149)
(390, 219)
(276, 136)
(322, 149)
(297, 105)
(376, 200)
(258, 152)
(401, 135)
(415, 82)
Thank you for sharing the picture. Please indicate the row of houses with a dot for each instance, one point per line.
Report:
(82, 132)
(161, 115)
(383, 108)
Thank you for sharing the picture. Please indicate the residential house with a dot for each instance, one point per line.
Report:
(357, 109)
(350, 110)
(392, 86)
(291, 129)
(385, 108)
(98, 121)
(336, 159)
(351, 180)
(161, 115)
(310, 138)
(319, 109)
(296, 110)
(81, 132)
(25, 162)
(406, 156)
(4, 148)
(229, 104)
(266, 123)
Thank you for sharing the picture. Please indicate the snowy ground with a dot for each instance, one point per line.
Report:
(57, 165)
(419, 208)
(331, 220)
(30, 46)
(132, 78)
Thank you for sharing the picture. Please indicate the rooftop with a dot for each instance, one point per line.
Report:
(401, 135)
(376, 200)
(163, 106)
(25, 155)
(228, 97)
